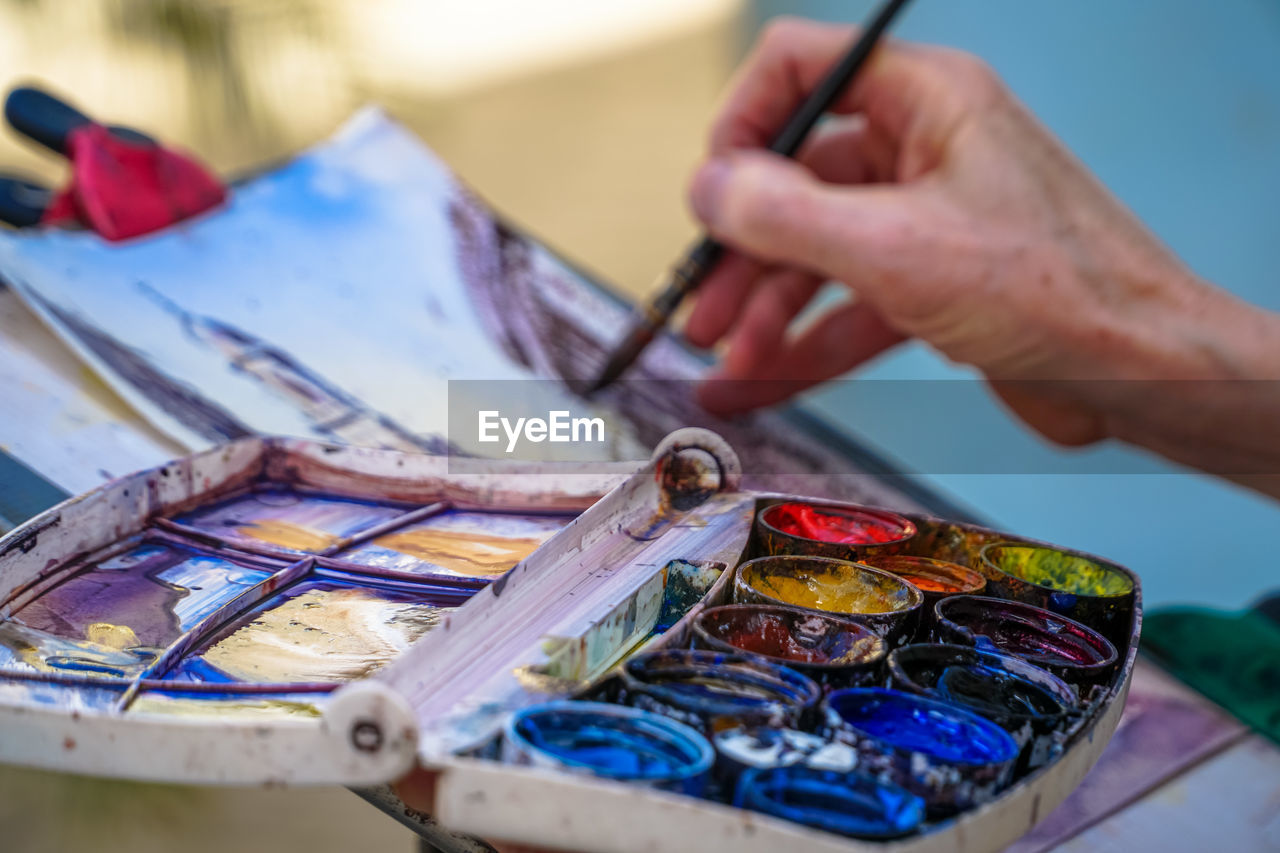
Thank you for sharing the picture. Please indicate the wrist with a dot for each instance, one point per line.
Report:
(1212, 336)
(1206, 391)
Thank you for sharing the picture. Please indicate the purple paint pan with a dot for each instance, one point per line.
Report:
(1090, 591)
(838, 531)
(1032, 704)
(833, 651)
(1075, 653)
(949, 756)
(883, 602)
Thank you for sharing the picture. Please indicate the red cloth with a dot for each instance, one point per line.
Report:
(125, 189)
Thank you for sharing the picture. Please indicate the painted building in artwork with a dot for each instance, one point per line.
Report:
(180, 401)
(331, 411)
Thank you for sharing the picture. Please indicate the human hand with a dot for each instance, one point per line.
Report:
(417, 790)
(958, 219)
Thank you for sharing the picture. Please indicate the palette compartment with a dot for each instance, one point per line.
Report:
(607, 568)
(145, 634)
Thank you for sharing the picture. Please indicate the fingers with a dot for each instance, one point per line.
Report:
(721, 298)
(418, 789)
(758, 337)
(842, 151)
(849, 150)
(789, 60)
(783, 66)
(1063, 422)
(776, 211)
(844, 338)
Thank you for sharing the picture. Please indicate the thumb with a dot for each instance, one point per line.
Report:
(777, 211)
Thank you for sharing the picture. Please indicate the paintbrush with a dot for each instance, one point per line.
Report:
(689, 272)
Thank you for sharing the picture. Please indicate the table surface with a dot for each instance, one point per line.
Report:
(1180, 774)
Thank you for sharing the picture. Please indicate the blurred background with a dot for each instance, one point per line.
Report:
(582, 122)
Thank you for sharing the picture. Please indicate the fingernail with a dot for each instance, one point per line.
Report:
(707, 188)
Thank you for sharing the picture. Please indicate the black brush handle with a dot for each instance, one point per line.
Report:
(824, 95)
(22, 202)
(49, 120)
(40, 116)
(695, 266)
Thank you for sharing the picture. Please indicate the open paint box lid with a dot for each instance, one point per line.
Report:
(284, 612)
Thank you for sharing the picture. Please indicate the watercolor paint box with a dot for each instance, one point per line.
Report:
(284, 612)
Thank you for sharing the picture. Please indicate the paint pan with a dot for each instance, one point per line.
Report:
(883, 602)
(937, 579)
(850, 804)
(949, 756)
(1088, 590)
(764, 748)
(712, 691)
(1075, 653)
(839, 531)
(610, 741)
(833, 651)
(1036, 707)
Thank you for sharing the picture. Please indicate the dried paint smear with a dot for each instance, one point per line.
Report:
(29, 649)
(116, 616)
(324, 632)
(150, 702)
(287, 520)
(473, 544)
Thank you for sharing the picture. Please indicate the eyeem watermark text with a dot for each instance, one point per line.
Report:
(558, 428)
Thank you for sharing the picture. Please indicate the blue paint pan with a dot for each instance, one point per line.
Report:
(610, 741)
(949, 756)
(846, 803)
(1036, 707)
(764, 748)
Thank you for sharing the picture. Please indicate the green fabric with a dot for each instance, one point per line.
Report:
(1233, 658)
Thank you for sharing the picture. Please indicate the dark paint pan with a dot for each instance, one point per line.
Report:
(850, 804)
(833, 651)
(1075, 653)
(1035, 706)
(711, 691)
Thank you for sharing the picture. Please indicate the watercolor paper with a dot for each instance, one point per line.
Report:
(337, 296)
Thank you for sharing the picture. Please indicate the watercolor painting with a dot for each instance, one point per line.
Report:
(343, 296)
